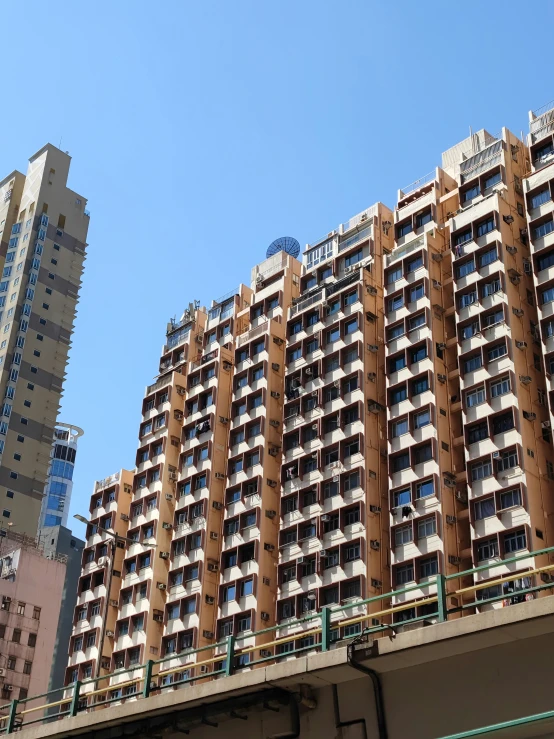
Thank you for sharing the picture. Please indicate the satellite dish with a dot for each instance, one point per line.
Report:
(286, 244)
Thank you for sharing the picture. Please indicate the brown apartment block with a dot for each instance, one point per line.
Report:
(362, 420)
(43, 227)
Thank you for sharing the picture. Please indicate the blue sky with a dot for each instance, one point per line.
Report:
(202, 131)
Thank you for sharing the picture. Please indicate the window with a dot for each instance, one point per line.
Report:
(398, 394)
(394, 274)
(21, 609)
(485, 227)
(491, 319)
(403, 229)
(475, 397)
(426, 527)
(350, 326)
(510, 499)
(428, 567)
(400, 427)
(473, 363)
(538, 232)
(500, 350)
(465, 268)
(515, 541)
(333, 335)
(423, 454)
(422, 418)
(403, 535)
(488, 256)
(353, 258)
(417, 292)
(471, 193)
(396, 302)
(395, 331)
(491, 180)
(424, 489)
(480, 470)
(423, 218)
(477, 433)
(468, 299)
(16, 636)
(420, 385)
(404, 574)
(484, 509)
(543, 196)
(400, 462)
(487, 549)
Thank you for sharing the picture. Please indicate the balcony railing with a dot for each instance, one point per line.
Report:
(223, 657)
(106, 481)
(303, 304)
(253, 333)
(158, 384)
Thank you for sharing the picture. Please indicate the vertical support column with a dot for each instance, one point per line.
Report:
(230, 656)
(325, 629)
(74, 707)
(441, 594)
(11, 717)
(147, 678)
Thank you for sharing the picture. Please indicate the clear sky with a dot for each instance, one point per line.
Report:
(201, 131)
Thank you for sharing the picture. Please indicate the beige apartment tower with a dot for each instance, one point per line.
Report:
(363, 419)
(44, 228)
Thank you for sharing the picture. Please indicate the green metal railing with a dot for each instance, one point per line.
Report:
(318, 630)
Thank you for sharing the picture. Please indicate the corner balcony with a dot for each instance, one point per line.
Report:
(429, 545)
(500, 403)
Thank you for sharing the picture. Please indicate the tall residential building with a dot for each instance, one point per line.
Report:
(44, 228)
(98, 591)
(59, 484)
(362, 420)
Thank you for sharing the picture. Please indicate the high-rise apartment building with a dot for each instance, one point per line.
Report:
(59, 483)
(366, 419)
(44, 228)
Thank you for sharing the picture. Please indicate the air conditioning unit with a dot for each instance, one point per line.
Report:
(114, 602)
(326, 517)
(309, 371)
(496, 455)
(124, 517)
(335, 478)
(521, 344)
(168, 496)
(210, 600)
(275, 394)
(161, 586)
(208, 634)
(213, 567)
(529, 416)
(461, 497)
(223, 419)
(166, 526)
(219, 476)
(217, 505)
(372, 376)
(525, 379)
(451, 519)
(274, 422)
(376, 583)
(441, 378)
(269, 547)
(2, 671)
(8, 688)
(436, 257)
(227, 365)
(373, 348)
(172, 475)
(270, 514)
(518, 312)
(437, 284)
(213, 535)
(265, 653)
(453, 560)
(159, 617)
(278, 341)
(449, 482)
(545, 424)
(371, 290)
(314, 393)
(375, 508)
(178, 415)
(322, 552)
(109, 633)
(103, 561)
(348, 270)
(264, 615)
(300, 560)
(374, 544)
(374, 407)
(271, 483)
(275, 366)
(199, 338)
(180, 389)
(273, 451)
